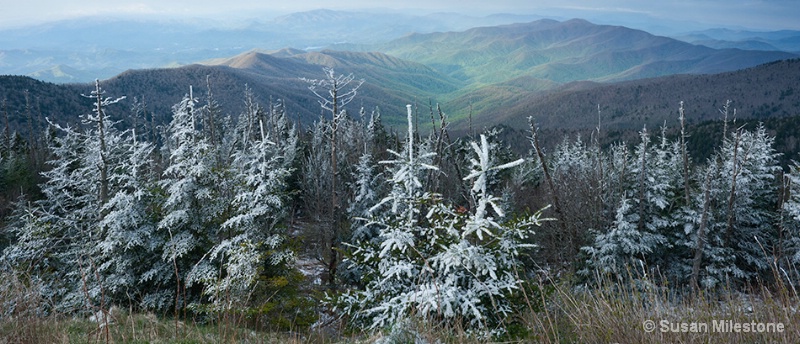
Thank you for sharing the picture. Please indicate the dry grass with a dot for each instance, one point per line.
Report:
(610, 312)
(21, 318)
(23, 321)
(607, 312)
(140, 328)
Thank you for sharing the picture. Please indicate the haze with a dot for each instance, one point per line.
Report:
(750, 14)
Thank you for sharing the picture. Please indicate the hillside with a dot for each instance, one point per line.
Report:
(765, 94)
(406, 79)
(563, 52)
(80, 50)
(765, 91)
(45, 100)
(390, 83)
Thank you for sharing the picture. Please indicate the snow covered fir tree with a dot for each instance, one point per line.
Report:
(349, 224)
(432, 261)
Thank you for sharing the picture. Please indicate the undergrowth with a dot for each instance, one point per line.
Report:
(549, 311)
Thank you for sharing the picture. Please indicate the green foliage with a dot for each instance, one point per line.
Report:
(281, 302)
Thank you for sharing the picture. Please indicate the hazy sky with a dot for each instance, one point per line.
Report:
(757, 14)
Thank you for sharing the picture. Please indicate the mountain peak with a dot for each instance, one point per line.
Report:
(577, 21)
(250, 59)
(287, 52)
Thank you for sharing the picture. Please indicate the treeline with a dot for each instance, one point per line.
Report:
(191, 221)
(730, 220)
(218, 214)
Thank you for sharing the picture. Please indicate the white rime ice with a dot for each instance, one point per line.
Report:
(790, 219)
(432, 261)
(111, 231)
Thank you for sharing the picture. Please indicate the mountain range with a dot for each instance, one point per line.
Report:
(783, 40)
(390, 83)
(566, 51)
(502, 64)
(558, 71)
(759, 93)
(84, 49)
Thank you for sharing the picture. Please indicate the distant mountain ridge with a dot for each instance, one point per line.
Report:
(767, 93)
(390, 84)
(100, 47)
(566, 51)
(783, 40)
(490, 73)
(395, 78)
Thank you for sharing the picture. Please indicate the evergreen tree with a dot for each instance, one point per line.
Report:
(432, 261)
(127, 247)
(252, 236)
(59, 238)
(640, 235)
(790, 214)
(740, 214)
(191, 206)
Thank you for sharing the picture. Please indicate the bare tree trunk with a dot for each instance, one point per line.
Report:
(334, 219)
(210, 120)
(103, 151)
(32, 137)
(685, 157)
(7, 131)
(724, 112)
(701, 233)
(334, 223)
(785, 191)
(732, 196)
(599, 200)
(642, 179)
(338, 95)
(556, 204)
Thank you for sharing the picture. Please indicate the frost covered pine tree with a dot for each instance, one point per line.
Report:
(790, 214)
(127, 248)
(664, 193)
(392, 266)
(435, 263)
(749, 227)
(367, 191)
(639, 232)
(251, 238)
(738, 210)
(793, 204)
(191, 206)
(59, 237)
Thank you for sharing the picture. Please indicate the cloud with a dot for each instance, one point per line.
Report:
(125, 9)
(772, 14)
(607, 9)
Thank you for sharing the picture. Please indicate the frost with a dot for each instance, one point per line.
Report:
(432, 261)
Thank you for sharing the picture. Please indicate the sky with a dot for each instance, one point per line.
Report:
(752, 14)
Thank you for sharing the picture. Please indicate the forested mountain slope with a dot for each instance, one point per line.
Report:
(566, 51)
(765, 91)
(83, 49)
(390, 83)
(765, 94)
